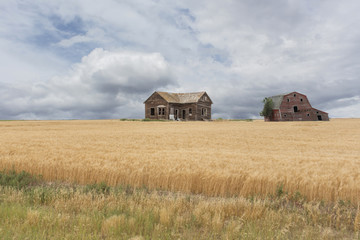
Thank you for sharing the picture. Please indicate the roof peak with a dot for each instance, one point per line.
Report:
(283, 94)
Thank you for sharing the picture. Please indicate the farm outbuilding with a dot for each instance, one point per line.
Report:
(294, 106)
(178, 106)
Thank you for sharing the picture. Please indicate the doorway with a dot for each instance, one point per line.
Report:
(319, 118)
(183, 114)
(176, 114)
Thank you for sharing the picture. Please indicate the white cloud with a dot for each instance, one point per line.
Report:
(97, 87)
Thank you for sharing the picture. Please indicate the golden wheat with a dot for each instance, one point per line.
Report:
(321, 160)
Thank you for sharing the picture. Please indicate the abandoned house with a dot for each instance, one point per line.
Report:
(294, 107)
(178, 106)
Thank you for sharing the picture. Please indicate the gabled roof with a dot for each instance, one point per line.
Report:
(181, 97)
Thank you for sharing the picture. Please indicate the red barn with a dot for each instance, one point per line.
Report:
(295, 107)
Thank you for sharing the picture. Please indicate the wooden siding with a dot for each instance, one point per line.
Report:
(155, 101)
(182, 109)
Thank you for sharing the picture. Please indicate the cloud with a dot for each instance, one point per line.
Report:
(101, 85)
(237, 51)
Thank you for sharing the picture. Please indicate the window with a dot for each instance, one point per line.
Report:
(288, 100)
(152, 111)
(204, 112)
(190, 111)
(284, 115)
(294, 95)
(301, 99)
(161, 111)
(296, 109)
(205, 98)
(308, 115)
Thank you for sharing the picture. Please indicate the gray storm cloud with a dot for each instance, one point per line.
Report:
(97, 87)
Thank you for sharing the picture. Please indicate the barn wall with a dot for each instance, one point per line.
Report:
(305, 112)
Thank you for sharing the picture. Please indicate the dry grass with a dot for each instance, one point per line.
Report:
(321, 160)
(71, 212)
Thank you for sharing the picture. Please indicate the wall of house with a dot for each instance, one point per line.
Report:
(154, 102)
(170, 108)
(204, 103)
(184, 107)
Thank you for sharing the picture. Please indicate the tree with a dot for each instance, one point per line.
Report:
(268, 107)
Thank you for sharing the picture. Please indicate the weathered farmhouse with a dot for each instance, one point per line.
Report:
(294, 107)
(178, 106)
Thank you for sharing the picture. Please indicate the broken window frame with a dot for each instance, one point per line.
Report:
(204, 112)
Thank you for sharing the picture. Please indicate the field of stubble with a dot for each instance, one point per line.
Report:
(320, 160)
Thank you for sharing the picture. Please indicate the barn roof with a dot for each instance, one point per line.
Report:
(277, 100)
(181, 97)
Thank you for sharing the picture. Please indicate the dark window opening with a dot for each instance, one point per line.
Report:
(296, 109)
(152, 111)
(190, 111)
(183, 114)
(294, 95)
(161, 111)
(203, 111)
(301, 99)
(288, 100)
(284, 115)
(319, 118)
(308, 115)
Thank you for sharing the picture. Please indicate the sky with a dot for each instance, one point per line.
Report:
(83, 59)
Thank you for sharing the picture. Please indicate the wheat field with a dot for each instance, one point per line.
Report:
(320, 160)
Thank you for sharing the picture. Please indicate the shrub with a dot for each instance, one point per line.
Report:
(268, 107)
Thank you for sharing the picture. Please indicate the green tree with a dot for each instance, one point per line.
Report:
(268, 107)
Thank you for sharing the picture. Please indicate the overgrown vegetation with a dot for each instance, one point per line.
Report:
(18, 180)
(130, 119)
(241, 120)
(268, 107)
(153, 120)
(98, 211)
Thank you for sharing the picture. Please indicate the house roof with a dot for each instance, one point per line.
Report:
(181, 97)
